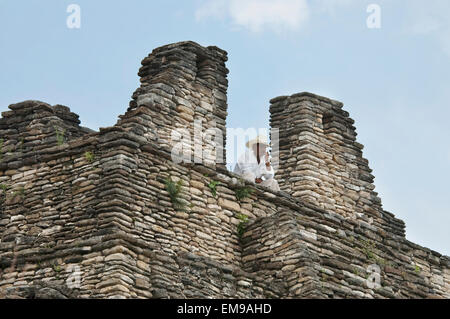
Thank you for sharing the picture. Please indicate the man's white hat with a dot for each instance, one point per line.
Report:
(260, 139)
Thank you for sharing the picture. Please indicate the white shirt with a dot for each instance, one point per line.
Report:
(248, 167)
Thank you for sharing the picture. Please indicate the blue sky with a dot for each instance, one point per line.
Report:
(394, 81)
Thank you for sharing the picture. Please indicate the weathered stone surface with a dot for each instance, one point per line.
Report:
(228, 204)
(87, 214)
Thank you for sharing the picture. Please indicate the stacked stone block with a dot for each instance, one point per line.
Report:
(319, 254)
(98, 204)
(31, 127)
(322, 163)
(182, 101)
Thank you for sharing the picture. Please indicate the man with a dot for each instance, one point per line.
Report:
(254, 165)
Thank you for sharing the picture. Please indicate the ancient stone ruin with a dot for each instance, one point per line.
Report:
(109, 214)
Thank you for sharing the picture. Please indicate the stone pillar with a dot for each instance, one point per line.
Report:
(320, 160)
(182, 99)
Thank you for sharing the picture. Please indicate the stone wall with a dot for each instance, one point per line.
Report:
(321, 255)
(322, 163)
(94, 206)
(31, 127)
(112, 217)
(182, 99)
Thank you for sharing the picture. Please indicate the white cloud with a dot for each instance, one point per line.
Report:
(330, 6)
(212, 8)
(423, 18)
(430, 18)
(258, 15)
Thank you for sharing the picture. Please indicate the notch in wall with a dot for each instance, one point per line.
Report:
(327, 122)
(205, 68)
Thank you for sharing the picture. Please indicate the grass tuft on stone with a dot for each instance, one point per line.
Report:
(174, 190)
(242, 224)
(243, 192)
(213, 187)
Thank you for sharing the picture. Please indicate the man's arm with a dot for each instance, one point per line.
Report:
(268, 172)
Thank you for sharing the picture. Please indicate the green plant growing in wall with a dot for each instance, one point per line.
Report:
(212, 186)
(57, 268)
(417, 269)
(59, 135)
(19, 192)
(368, 248)
(243, 192)
(3, 188)
(381, 261)
(89, 156)
(242, 224)
(174, 190)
